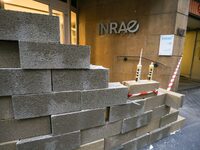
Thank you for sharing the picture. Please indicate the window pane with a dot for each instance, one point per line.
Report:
(73, 28)
(26, 6)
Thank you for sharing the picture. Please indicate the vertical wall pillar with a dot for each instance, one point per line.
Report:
(67, 23)
(1, 4)
(50, 8)
(77, 19)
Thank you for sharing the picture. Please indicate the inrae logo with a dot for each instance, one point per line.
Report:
(117, 28)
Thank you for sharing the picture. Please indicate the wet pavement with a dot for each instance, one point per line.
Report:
(188, 138)
(186, 84)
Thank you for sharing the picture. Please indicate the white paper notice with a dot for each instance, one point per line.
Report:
(166, 45)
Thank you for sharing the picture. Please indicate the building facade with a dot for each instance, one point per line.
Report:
(117, 30)
(120, 52)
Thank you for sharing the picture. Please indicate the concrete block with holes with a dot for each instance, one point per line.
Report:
(173, 99)
(141, 86)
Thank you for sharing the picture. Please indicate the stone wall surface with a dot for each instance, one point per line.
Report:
(45, 107)
(155, 18)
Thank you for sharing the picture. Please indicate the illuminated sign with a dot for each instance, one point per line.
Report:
(118, 28)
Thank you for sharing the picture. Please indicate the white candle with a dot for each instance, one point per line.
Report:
(139, 68)
(151, 69)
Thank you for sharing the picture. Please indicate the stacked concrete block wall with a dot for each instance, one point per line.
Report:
(51, 98)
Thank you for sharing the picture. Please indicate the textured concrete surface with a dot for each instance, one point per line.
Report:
(160, 111)
(173, 99)
(48, 142)
(18, 81)
(178, 124)
(97, 133)
(53, 56)
(136, 122)
(127, 110)
(94, 78)
(158, 134)
(8, 145)
(155, 101)
(37, 105)
(28, 27)
(137, 143)
(97, 145)
(115, 141)
(6, 110)
(11, 130)
(143, 85)
(169, 118)
(188, 137)
(9, 54)
(115, 94)
(70, 122)
(157, 113)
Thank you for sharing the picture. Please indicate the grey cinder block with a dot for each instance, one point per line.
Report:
(6, 109)
(18, 81)
(28, 27)
(93, 78)
(169, 118)
(158, 134)
(154, 101)
(173, 99)
(48, 142)
(53, 56)
(136, 122)
(80, 120)
(116, 141)
(137, 143)
(177, 124)
(160, 111)
(37, 105)
(141, 86)
(97, 145)
(115, 94)
(9, 54)
(130, 109)
(8, 145)
(11, 130)
(157, 113)
(108, 130)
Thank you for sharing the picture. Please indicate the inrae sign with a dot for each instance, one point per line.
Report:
(117, 28)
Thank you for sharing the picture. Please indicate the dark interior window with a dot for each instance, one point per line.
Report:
(64, 0)
(74, 3)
